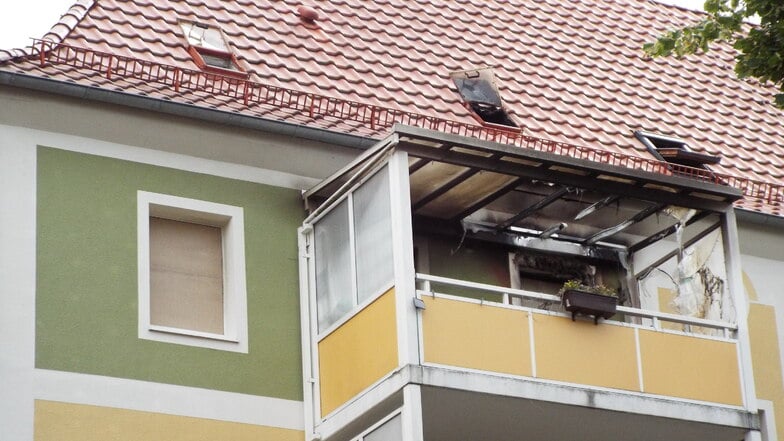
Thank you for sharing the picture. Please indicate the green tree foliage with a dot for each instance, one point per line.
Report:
(760, 47)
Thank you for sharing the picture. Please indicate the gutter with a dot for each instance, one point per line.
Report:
(757, 218)
(184, 110)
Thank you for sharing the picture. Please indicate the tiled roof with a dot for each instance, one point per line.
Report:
(571, 71)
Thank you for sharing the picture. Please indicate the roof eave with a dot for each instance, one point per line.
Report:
(184, 110)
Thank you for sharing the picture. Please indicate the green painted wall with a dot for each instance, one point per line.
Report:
(86, 302)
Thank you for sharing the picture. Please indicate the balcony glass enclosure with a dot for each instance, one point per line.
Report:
(430, 275)
(353, 246)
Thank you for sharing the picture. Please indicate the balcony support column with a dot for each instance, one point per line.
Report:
(753, 435)
(413, 428)
(403, 255)
(729, 231)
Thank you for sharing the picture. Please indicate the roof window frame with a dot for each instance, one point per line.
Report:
(200, 53)
(484, 74)
(683, 152)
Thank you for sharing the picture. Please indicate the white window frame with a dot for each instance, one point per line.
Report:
(229, 219)
(357, 305)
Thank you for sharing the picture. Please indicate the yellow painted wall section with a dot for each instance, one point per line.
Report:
(690, 367)
(358, 353)
(476, 336)
(666, 298)
(56, 421)
(765, 358)
(581, 352)
(751, 292)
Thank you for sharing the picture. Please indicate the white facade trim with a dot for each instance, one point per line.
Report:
(168, 399)
(638, 354)
(352, 246)
(309, 368)
(532, 342)
(235, 304)
(17, 284)
(767, 420)
(79, 144)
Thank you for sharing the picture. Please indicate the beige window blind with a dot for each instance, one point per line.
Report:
(186, 276)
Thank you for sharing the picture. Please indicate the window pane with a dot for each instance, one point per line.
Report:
(333, 267)
(373, 227)
(389, 431)
(186, 276)
(221, 61)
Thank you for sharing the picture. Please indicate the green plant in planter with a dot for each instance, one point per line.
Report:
(598, 301)
(576, 285)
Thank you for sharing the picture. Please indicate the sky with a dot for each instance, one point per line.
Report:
(24, 19)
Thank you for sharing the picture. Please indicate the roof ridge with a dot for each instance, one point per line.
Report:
(56, 33)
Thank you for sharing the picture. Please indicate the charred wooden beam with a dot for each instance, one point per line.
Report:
(639, 217)
(471, 209)
(547, 200)
(665, 232)
(596, 206)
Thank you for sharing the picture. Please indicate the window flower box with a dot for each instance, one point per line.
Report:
(596, 301)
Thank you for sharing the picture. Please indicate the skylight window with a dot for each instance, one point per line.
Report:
(674, 150)
(205, 37)
(478, 90)
(210, 50)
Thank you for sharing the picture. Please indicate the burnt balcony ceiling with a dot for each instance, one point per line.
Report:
(499, 188)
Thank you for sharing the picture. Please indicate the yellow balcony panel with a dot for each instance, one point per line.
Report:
(581, 352)
(358, 353)
(690, 367)
(476, 336)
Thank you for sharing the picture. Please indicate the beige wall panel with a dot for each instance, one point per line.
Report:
(56, 421)
(690, 367)
(358, 353)
(581, 352)
(476, 336)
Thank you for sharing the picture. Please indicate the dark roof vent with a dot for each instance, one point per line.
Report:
(479, 92)
(307, 14)
(674, 150)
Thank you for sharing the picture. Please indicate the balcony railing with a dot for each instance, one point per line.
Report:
(656, 318)
(644, 357)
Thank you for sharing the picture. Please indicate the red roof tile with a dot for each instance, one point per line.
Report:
(568, 71)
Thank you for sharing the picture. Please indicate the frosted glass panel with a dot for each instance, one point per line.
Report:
(389, 431)
(333, 267)
(373, 231)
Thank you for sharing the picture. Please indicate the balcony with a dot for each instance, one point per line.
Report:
(428, 275)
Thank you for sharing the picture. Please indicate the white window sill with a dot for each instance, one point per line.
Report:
(191, 333)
